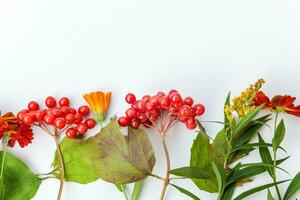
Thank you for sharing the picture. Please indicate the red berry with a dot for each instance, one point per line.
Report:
(140, 106)
(130, 98)
(149, 106)
(188, 101)
(59, 123)
(146, 98)
(90, 123)
(71, 133)
(21, 114)
(33, 105)
(185, 111)
(190, 120)
(64, 101)
(123, 121)
(199, 109)
(50, 102)
(39, 115)
(154, 101)
(65, 110)
(135, 123)
(72, 110)
(160, 94)
(56, 112)
(142, 117)
(131, 113)
(164, 102)
(27, 119)
(70, 119)
(49, 119)
(191, 126)
(84, 110)
(81, 128)
(172, 91)
(176, 98)
(78, 118)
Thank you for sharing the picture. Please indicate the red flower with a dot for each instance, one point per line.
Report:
(23, 135)
(285, 102)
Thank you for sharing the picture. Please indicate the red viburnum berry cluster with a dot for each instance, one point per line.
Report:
(150, 108)
(61, 117)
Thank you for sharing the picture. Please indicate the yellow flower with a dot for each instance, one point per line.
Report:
(243, 104)
(99, 102)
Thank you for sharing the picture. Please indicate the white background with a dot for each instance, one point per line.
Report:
(203, 48)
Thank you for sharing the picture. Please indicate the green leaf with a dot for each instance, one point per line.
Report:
(228, 192)
(257, 189)
(192, 172)
(219, 147)
(137, 190)
(246, 173)
(221, 177)
(247, 146)
(186, 192)
(243, 137)
(279, 135)
(244, 121)
(227, 103)
(123, 159)
(18, 181)
(293, 187)
(77, 155)
(265, 156)
(201, 158)
(270, 197)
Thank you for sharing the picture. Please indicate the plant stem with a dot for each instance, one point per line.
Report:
(167, 178)
(124, 192)
(275, 159)
(62, 167)
(2, 168)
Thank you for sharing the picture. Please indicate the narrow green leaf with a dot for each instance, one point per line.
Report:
(270, 197)
(244, 121)
(186, 192)
(227, 103)
(192, 172)
(246, 173)
(279, 135)
(228, 192)
(221, 177)
(247, 146)
(293, 187)
(265, 156)
(257, 189)
(250, 131)
(137, 190)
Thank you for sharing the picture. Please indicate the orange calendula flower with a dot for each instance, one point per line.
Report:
(99, 102)
(284, 103)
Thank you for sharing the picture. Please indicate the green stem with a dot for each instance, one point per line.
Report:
(2, 168)
(124, 192)
(275, 160)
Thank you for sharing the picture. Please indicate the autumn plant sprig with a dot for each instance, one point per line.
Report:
(56, 120)
(161, 112)
(215, 165)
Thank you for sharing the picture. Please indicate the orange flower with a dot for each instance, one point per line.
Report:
(99, 102)
(282, 103)
(15, 131)
(7, 122)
